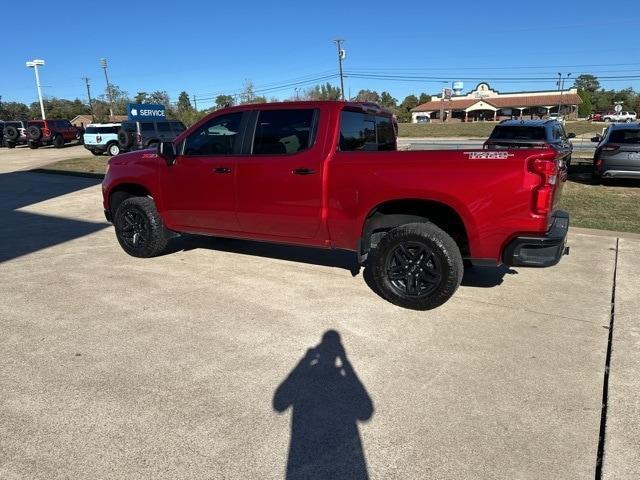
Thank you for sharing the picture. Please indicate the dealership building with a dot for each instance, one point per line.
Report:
(485, 103)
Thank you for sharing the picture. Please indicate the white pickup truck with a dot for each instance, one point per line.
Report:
(623, 116)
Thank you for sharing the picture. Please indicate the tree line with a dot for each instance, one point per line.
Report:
(594, 97)
(597, 99)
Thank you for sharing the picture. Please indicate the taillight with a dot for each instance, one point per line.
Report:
(547, 170)
(610, 148)
(46, 132)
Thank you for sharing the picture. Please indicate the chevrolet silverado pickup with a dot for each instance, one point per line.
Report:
(328, 174)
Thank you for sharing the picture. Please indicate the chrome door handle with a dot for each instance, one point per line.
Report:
(222, 170)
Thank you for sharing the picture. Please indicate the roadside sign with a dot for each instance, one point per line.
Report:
(146, 111)
(618, 108)
(447, 93)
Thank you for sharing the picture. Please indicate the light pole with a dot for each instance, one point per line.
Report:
(35, 64)
(103, 64)
(341, 56)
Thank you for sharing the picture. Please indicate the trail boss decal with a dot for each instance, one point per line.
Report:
(488, 155)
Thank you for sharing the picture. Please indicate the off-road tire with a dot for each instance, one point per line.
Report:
(125, 139)
(32, 145)
(437, 266)
(138, 215)
(34, 133)
(9, 144)
(58, 141)
(97, 154)
(11, 133)
(112, 147)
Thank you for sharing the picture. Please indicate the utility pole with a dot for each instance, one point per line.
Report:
(103, 64)
(195, 103)
(561, 88)
(86, 81)
(341, 56)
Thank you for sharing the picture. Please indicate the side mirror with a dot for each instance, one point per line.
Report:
(595, 139)
(167, 151)
(571, 135)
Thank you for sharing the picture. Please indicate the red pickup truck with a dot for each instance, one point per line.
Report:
(327, 174)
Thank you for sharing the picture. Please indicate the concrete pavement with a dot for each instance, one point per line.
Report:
(197, 364)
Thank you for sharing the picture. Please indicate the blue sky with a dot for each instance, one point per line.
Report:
(208, 48)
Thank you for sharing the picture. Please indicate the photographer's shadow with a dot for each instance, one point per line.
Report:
(327, 401)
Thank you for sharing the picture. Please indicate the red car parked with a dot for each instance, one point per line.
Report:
(327, 174)
(52, 132)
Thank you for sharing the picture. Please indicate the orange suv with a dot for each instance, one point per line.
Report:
(52, 132)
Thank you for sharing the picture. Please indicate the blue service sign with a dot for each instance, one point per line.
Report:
(145, 111)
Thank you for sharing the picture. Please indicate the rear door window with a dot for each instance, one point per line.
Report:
(366, 132)
(147, 127)
(163, 127)
(357, 132)
(281, 132)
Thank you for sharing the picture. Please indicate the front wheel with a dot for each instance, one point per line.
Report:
(58, 141)
(417, 266)
(139, 228)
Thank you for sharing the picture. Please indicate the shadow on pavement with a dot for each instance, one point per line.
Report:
(26, 232)
(314, 256)
(327, 401)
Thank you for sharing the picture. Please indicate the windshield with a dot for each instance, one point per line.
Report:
(518, 133)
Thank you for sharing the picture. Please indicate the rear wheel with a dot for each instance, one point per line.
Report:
(33, 145)
(417, 266)
(139, 228)
(10, 144)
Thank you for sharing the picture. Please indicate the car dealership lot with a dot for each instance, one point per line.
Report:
(118, 367)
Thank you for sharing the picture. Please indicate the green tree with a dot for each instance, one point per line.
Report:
(14, 111)
(248, 94)
(223, 101)
(323, 92)
(387, 101)
(184, 103)
(585, 108)
(368, 96)
(120, 99)
(404, 109)
(424, 98)
(586, 82)
(141, 97)
(59, 108)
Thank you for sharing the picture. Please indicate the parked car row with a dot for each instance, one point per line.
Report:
(39, 133)
(114, 138)
(623, 116)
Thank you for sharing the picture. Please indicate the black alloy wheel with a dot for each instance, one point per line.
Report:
(139, 228)
(417, 266)
(413, 270)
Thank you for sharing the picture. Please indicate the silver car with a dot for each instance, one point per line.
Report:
(617, 154)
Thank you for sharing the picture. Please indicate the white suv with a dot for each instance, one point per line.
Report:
(623, 116)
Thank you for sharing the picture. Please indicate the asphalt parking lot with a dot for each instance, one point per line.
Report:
(197, 364)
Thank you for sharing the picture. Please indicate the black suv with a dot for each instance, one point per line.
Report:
(135, 135)
(13, 133)
(531, 134)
